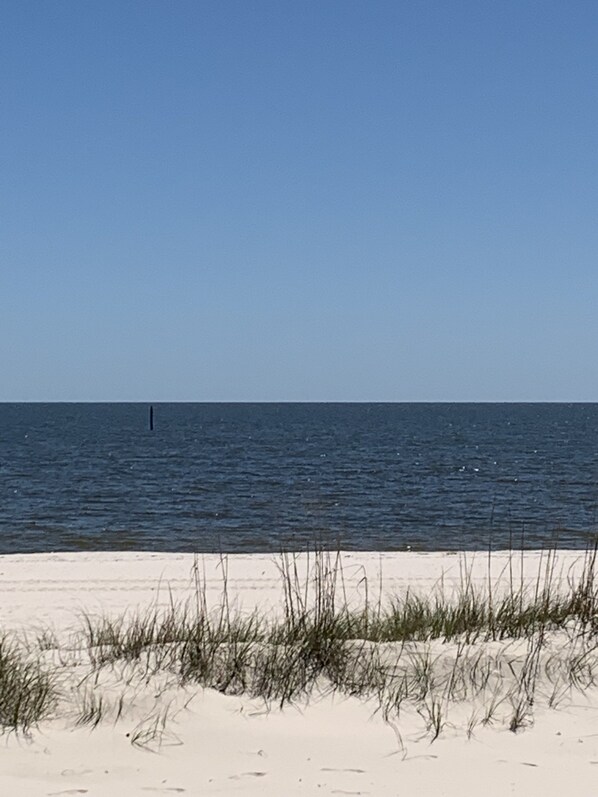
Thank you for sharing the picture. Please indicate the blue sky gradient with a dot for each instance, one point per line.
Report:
(272, 201)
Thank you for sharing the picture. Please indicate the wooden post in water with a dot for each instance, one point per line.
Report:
(151, 418)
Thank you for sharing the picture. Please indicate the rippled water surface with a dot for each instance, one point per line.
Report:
(255, 477)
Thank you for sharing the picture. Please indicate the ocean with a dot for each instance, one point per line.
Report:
(261, 477)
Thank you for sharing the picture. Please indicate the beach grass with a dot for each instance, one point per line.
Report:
(27, 690)
(430, 651)
(467, 657)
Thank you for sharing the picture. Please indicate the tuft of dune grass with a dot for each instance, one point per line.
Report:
(493, 656)
(389, 653)
(27, 691)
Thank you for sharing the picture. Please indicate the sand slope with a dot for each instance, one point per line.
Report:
(217, 744)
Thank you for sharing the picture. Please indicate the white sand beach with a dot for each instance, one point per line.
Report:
(157, 736)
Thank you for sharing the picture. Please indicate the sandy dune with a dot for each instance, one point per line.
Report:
(213, 744)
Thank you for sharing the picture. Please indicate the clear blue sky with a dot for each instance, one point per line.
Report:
(315, 200)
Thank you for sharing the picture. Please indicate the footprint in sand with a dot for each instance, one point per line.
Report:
(70, 773)
(345, 769)
(67, 791)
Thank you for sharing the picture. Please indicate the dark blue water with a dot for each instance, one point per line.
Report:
(258, 477)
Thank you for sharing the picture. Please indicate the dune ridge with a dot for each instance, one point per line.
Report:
(491, 699)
